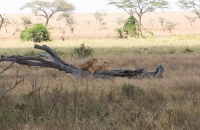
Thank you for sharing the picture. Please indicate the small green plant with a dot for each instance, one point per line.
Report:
(37, 33)
(188, 50)
(150, 33)
(59, 52)
(131, 91)
(172, 51)
(119, 33)
(8, 117)
(82, 51)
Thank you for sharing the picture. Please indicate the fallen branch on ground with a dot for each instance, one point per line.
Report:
(52, 60)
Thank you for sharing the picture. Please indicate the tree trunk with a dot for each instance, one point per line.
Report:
(54, 61)
(47, 21)
(140, 19)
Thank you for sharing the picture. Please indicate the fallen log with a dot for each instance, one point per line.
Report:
(52, 60)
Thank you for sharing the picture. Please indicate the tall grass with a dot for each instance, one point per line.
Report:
(50, 99)
(99, 106)
(155, 45)
(100, 51)
(164, 41)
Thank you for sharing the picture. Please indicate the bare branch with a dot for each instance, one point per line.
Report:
(7, 67)
(51, 52)
(13, 87)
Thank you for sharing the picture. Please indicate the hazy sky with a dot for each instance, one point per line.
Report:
(82, 6)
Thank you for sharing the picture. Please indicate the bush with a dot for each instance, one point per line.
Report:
(82, 51)
(131, 91)
(187, 50)
(37, 33)
(131, 28)
(130, 25)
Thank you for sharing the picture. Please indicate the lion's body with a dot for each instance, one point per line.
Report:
(86, 65)
(101, 67)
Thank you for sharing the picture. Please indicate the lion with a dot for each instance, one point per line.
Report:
(87, 64)
(102, 67)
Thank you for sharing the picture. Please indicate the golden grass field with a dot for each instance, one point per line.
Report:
(150, 21)
(51, 99)
(170, 102)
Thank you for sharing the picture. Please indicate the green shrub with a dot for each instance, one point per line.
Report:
(172, 51)
(7, 118)
(130, 25)
(37, 33)
(82, 51)
(59, 52)
(131, 28)
(187, 50)
(119, 33)
(131, 91)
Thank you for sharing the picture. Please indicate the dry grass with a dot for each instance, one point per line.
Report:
(167, 41)
(82, 31)
(51, 99)
(171, 102)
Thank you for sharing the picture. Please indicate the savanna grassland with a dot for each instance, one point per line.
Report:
(51, 99)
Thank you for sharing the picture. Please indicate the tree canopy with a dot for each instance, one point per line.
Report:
(190, 4)
(48, 9)
(139, 6)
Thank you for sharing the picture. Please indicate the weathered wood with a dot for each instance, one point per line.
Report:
(52, 60)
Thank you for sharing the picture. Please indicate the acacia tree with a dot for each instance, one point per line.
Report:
(88, 22)
(161, 20)
(48, 9)
(69, 20)
(2, 20)
(6, 22)
(191, 19)
(139, 7)
(190, 4)
(99, 16)
(170, 25)
(26, 21)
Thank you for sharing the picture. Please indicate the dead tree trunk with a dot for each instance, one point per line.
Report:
(52, 60)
